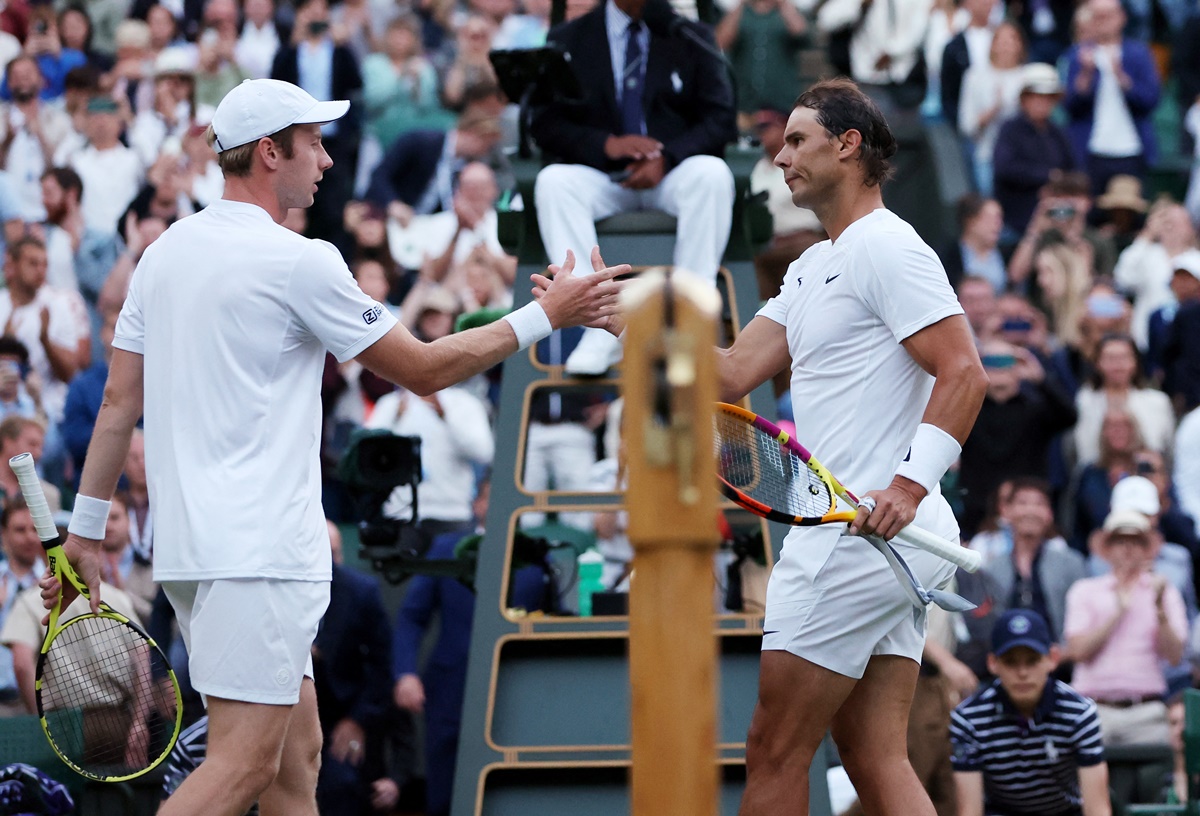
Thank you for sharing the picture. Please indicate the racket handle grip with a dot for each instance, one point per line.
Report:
(960, 556)
(31, 488)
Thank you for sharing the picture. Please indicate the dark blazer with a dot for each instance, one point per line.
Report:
(1141, 98)
(352, 653)
(1022, 163)
(407, 167)
(956, 59)
(688, 98)
(347, 84)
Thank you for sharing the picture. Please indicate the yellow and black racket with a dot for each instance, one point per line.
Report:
(106, 695)
(761, 468)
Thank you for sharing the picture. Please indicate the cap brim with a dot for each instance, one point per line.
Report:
(1029, 643)
(323, 112)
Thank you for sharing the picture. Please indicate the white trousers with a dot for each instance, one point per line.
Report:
(571, 198)
(562, 454)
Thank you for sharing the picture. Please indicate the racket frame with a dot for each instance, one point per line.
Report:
(911, 535)
(56, 559)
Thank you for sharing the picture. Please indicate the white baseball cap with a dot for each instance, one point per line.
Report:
(1128, 522)
(1187, 261)
(1136, 493)
(261, 107)
(1040, 78)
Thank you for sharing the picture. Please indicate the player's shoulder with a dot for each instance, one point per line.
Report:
(881, 230)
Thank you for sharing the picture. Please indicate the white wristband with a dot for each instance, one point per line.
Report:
(530, 324)
(89, 518)
(930, 455)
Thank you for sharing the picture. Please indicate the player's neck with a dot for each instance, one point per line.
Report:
(253, 191)
(845, 210)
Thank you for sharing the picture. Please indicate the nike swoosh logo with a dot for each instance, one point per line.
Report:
(772, 632)
(832, 278)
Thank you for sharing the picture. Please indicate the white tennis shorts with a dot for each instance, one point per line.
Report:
(834, 601)
(249, 639)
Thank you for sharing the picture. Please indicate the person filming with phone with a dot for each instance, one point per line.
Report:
(1022, 413)
(1063, 205)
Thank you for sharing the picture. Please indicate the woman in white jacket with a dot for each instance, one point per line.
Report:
(1118, 383)
(991, 93)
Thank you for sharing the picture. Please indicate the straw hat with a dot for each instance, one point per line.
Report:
(1123, 193)
(1040, 78)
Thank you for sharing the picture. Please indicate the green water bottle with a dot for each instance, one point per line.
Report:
(590, 565)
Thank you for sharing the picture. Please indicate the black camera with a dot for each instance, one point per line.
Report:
(1063, 212)
(40, 27)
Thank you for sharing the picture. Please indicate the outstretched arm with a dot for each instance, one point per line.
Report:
(425, 368)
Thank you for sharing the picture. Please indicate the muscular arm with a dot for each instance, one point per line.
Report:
(969, 786)
(1093, 786)
(946, 351)
(759, 353)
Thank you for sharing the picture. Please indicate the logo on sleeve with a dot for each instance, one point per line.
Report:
(372, 314)
(832, 278)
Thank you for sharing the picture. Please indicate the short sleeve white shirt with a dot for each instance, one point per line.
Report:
(857, 395)
(233, 314)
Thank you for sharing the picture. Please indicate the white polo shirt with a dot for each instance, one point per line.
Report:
(233, 314)
(857, 394)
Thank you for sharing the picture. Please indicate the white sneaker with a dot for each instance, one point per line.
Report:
(597, 352)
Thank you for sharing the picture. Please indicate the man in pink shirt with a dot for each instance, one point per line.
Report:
(1118, 630)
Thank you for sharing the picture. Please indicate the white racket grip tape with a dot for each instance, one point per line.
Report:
(969, 560)
(31, 488)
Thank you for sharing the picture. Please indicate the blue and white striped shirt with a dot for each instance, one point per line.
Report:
(1030, 766)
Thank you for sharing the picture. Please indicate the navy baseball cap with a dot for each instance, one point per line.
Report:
(1020, 627)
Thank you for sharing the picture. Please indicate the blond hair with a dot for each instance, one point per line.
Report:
(236, 161)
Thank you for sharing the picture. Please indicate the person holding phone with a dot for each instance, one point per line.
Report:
(314, 46)
(1022, 413)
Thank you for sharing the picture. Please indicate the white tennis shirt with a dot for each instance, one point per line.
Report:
(857, 395)
(233, 314)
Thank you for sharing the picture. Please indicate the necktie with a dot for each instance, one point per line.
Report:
(631, 82)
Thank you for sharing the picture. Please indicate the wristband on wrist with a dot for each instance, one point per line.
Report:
(89, 518)
(530, 324)
(930, 455)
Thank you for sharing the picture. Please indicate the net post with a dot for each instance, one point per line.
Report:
(670, 389)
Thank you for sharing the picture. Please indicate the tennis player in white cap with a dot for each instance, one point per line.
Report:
(221, 344)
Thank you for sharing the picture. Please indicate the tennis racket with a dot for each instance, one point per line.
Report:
(764, 470)
(107, 697)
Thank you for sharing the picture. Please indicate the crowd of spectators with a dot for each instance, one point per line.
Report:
(1081, 481)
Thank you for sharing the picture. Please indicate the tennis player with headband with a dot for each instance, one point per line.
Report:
(220, 344)
(886, 384)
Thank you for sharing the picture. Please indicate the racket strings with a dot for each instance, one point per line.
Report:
(766, 471)
(100, 700)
